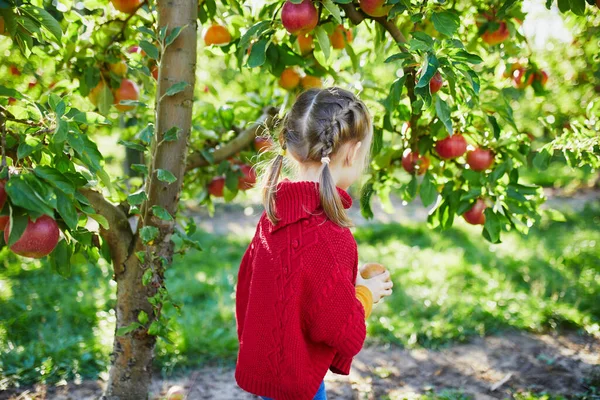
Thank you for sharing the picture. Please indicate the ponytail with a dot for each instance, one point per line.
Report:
(270, 187)
(330, 198)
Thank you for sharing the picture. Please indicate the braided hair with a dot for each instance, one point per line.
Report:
(320, 121)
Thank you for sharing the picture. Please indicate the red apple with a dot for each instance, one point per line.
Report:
(497, 36)
(451, 147)
(38, 240)
(413, 162)
(374, 8)
(155, 72)
(215, 187)
(14, 70)
(475, 215)
(480, 159)
(299, 19)
(436, 83)
(248, 178)
(11, 100)
(522, 78)
(262, 143)
(127, 91)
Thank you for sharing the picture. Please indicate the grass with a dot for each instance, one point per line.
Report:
(449, 286)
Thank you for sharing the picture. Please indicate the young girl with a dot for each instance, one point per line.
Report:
(301, 304)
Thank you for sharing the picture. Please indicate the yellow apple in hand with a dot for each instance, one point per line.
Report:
(370, 270)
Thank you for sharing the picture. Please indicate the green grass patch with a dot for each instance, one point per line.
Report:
(449, 286)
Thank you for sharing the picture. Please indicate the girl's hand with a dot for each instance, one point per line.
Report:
(379, 285)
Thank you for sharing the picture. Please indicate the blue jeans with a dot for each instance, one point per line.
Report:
(321, 394)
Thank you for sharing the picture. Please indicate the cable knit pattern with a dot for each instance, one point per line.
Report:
(297, 313)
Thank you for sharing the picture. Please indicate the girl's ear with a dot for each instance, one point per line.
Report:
(353, 153)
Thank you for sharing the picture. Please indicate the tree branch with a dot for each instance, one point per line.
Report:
(119, 235)
(357, 16)
(244, 139)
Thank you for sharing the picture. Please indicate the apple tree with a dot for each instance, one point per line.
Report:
(79, 83)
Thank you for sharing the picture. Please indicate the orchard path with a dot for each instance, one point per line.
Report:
(493, 367)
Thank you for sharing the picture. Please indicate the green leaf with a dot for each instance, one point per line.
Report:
(564, 5)
(28, 192)
(147, 277)
(86, 150)
(174, 34)
(428, 70)
(66, 210)
(465, 56)
(45, 19)
(161, 213)
(7, 92)
(172, 134)
(60, 133)
(148, 234)
(333, 10)
(146, 134)
(132, 145)
(60, 259)
(165, 176)
(90, 118)
(142, 168)
(323, 40)
(55, 178)
(105, 100)
(176, 88)
(150, 49)
(398, 56)
(445, 22)
(442, 110)
(365, 200)
(255, 30)
(577, 6)
(138, 198)
(18, 224)
(411, 188)
(143, 317)
(492, 226)
(100, 219)
(542, 159)
(258, 54)
(124, 330)
(428, 190)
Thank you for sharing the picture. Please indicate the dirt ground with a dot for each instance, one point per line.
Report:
(486, 368)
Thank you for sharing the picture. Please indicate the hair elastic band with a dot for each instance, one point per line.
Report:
(325, 160)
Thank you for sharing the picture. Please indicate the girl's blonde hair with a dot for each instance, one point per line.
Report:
(320, 121)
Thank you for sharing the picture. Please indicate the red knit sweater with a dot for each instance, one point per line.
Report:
(297, 314)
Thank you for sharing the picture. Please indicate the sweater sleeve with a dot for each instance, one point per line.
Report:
(338, 319)
(364, 295)
(242, 290)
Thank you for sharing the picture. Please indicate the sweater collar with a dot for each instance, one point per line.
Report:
(297, 200)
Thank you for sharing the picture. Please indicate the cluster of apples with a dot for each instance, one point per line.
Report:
(493, 35)
(299, 20)
(452, 147)
(290, 80)
(38, 239)
(127, 90)
(525, 76)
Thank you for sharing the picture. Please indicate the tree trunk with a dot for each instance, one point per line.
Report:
(131, 369)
